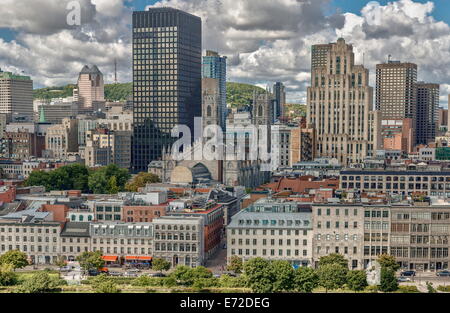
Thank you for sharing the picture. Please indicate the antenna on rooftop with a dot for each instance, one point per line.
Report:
(115, 71)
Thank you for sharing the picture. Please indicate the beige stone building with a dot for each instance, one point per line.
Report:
(104, 147)
(272, 230)
(339, 104)
(62, 139)
(39, 239)
(122, 239)
(179, 240)
(338, 228)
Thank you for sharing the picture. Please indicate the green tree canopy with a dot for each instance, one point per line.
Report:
(332, 276)
(141, 180)
(40, 282)
(101, 180)
(305, 280)
(235, 264)
(334, 258)
(91, 260)
(187, 276)
(388, 261)
(388, 281)
(16, 258)
(160, 265)
(283, 274)
(356, 280)
(260, 275)
(7, 275)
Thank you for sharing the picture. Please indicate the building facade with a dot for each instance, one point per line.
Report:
(427, 112)
(215, 66)
(339, 103)
(167, 43)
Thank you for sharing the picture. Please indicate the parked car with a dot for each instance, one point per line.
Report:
(115, 274)
(403, 279)
(158, 275)
(93, 272)
(408, 273)
(217, 275)
(443, 273)
(130, 274)
(134, 270)
(66, 268)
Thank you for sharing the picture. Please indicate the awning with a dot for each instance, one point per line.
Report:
(138, 258)
(110, 258)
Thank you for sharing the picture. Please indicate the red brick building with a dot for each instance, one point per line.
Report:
(143, 213)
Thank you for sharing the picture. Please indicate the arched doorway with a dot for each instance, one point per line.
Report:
(175, 260)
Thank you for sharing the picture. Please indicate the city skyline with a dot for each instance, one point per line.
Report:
(260, 50)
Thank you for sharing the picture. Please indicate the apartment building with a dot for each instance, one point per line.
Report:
(415, 179)
(33, 235)
(179, 240)
(123, 240)
(274, 230)
(338, 228)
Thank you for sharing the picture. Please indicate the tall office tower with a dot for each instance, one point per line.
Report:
(167, 52)
(396, 92)
(427, 112)
(16, 96)
(339, 104)
(215, 66)
(279, 92)
(91, 88)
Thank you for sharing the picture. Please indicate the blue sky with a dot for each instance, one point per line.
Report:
(441, 7)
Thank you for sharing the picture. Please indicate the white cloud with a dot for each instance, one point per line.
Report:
(265, 40)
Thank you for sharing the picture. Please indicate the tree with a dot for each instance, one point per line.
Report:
(388, 281)
(183, 275)
(305, 279)
(16, 258)
(112, 185)
(334, 258)
(235, 264)
(91, 260)
(141, 180)
(356, 280)
(332, 276)
(160, 265)
(101, 181)
(7, 275)
(430, 287)
(259, 274)
(106, 287)
(60, 262)
(40, 282)
(388, 261)
(97, 182)
(284, 274)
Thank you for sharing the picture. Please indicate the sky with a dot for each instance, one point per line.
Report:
(265, 40)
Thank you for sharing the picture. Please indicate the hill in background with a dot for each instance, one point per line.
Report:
(237, 94)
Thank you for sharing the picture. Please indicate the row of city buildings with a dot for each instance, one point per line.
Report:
(185, 229)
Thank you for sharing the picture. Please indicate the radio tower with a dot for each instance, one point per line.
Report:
(115, 71)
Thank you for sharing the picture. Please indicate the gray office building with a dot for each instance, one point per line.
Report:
(167, 55)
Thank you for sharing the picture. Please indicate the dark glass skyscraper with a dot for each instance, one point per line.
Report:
(167, 55)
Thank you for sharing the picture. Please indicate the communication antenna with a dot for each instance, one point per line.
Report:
(115, 71)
